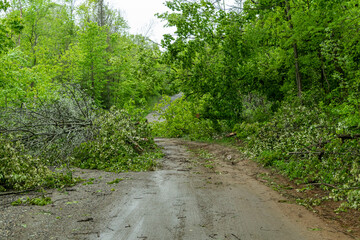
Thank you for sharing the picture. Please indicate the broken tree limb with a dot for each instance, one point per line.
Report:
(348, 136)
(233, 134)
(333, 186)
(303, 153)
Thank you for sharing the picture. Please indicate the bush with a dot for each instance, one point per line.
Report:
(256, 108)
(244, 129)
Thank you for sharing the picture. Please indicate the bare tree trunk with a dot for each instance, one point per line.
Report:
(296, 55)
(297, 69)
(101, 14)
(21, 14)
(323, 74)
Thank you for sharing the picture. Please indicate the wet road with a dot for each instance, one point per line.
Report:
(178, 202)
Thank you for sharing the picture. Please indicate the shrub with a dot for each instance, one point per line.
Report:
(244, 129)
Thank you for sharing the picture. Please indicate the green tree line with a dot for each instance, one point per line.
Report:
(47, 43)
(276, 49)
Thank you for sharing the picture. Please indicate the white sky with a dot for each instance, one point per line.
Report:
(140, 17)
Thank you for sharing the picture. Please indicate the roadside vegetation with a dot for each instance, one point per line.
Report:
(75, 87)
(282, 77)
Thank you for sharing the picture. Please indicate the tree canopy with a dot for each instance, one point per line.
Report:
(277, 49)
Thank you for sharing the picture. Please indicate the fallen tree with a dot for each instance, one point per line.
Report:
(69, 130)
(51, 128)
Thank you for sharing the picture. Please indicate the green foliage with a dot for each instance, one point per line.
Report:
(92, 42)
(256, 108)
(182, 118)
(20, 85)
(68, 128)
(94, 51)
(263, 48)
(303, 142)
(18, 170)
(5, 41)
(244, 130)
(4, 5)
(206, 55)
(47, 46)
(33, 201)
(122, 144)
(117, 180)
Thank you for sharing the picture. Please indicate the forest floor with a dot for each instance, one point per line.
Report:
(199, 191)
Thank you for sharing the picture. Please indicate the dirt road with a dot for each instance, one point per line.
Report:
(206, 198)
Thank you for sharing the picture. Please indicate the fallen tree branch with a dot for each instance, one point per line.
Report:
(348, 136)
(333, 186)
(60, 124)
(303, 153)
(17, 192)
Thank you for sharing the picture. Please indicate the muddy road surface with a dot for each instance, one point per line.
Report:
(208, 193)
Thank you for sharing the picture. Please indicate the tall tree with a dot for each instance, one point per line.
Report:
(92, 41)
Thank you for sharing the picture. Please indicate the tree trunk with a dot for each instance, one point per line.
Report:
(21, 15)
(101, 15)
(297, 69)
(296, 55)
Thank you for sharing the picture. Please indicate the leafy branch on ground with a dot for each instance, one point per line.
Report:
(42, 140)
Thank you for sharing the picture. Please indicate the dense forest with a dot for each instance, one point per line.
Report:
(281, 75)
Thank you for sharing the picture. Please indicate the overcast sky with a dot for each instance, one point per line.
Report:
(140, 16)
